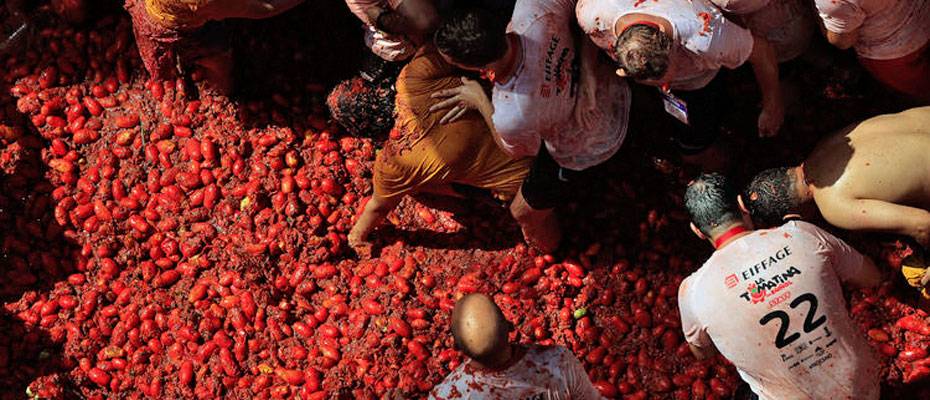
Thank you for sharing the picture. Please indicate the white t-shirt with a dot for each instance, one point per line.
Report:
(788, 25)
(888, 29)
(772, 304)
(544, 373)
(537, 103)
(704, 40)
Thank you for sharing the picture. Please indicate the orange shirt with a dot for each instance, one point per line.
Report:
(428, 154)
(178, 13)
(191, 14)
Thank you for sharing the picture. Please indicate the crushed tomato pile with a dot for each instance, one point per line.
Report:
(158, 241)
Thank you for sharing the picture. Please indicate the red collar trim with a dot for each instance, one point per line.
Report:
(736, 230)
(641, 22)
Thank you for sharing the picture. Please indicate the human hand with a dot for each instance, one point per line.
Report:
(770, 120)
(388, 47)
(460, 100)
(361, 246)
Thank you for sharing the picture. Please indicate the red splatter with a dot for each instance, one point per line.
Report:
(706, 18)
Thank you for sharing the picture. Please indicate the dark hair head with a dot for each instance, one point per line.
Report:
(363, 108)
(473, 38)
(711, 202)
(643, 51)
(771, 195)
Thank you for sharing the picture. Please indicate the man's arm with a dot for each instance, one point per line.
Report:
(376, 210)
(876, 215)
(840, 21)
(412, 17)
(420, 15)
(850, 265)
(843, 40)
(868, 276)
(765, 66)
(471, 96)
(703, 353)
(696, 336)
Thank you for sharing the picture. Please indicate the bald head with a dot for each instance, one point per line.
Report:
(479, 328)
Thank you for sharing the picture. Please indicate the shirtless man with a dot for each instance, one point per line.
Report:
(552, 98)
(499, 369)
(873, 176)
(770, 301)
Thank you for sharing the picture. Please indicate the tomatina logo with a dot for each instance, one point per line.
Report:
(731, 281)
(757, 291)
(754, 293)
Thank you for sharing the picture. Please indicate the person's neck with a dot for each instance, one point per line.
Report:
(505, 359)
(724, 236)
(806, 187)
(506, 66)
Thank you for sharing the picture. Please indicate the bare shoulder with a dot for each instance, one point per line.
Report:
(911, 120)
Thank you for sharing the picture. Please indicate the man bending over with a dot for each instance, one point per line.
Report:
(770, 301)
(874, 176)
(422, 155)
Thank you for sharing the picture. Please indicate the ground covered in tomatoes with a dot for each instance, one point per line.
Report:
(161, 241)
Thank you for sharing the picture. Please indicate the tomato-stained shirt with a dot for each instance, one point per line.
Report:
(888, 29)
(544, 373)
(536, 105)
(704, 40)
(772, 304)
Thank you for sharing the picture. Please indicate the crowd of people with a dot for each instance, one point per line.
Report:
(514, 103)
(517, 104)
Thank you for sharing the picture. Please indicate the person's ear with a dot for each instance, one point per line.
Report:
(742, 205)
(698, 232)
(621, 73)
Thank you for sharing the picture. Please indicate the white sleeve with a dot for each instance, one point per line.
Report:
(731, 44)
(695, 332)
(518, 138)
(840, 16)
(579, 385)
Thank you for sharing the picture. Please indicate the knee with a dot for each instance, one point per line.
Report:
(522, 212)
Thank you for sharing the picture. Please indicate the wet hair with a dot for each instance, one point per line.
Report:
(711, 202)
(643, 51)
(474, 37)
(363, 108)
(771, 195)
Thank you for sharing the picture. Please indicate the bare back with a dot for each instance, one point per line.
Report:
(883, 158)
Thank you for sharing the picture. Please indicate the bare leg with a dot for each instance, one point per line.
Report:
(540, 227)
(218, 71)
